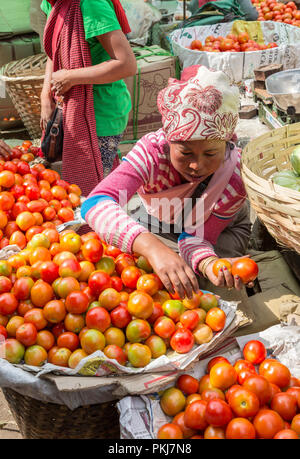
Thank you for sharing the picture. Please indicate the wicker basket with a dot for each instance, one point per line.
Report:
(40, 420)
(277, 207)
(24, 81)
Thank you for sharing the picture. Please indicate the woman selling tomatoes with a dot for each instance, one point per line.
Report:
(88, 58)
(187, 175)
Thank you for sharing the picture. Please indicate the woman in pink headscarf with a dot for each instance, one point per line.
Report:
(187, 175)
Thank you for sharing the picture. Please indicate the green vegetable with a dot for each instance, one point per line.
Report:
(295, 160)
(287, 179)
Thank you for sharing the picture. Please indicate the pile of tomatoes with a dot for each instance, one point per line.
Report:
(272, 10)
(32, 199)
(65, 296)
(232, 43)
(256, 397)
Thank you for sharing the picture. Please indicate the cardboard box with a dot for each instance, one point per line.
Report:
(155, 67)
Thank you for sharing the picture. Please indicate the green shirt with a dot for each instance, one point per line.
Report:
(112, 101)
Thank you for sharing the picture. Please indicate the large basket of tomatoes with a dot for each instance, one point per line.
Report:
(41, 420)
(238, 48)
(24, 81)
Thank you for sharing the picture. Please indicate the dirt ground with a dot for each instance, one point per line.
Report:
(8, 426)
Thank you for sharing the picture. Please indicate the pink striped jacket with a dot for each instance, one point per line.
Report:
(147, 169)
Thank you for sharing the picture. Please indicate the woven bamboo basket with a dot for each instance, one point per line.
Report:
(40, 420)
(24, 81)
(277, 207)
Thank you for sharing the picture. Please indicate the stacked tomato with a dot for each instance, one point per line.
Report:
(256, 397)
(232, 43)
(272, 10)
(65, 296)
(32, 199)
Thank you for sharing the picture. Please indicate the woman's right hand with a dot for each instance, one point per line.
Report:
(174, 273)
(47, 108)
(172, 270)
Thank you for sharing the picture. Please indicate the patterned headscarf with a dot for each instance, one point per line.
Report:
(203, 104)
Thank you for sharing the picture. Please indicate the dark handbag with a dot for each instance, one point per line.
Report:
(52, 143)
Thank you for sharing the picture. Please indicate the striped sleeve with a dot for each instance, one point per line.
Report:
(113, 224)
(193, 250)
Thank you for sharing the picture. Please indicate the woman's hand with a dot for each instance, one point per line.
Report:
(4, 148)
(225, 278)
(61, 82)
(172, 270)
(47, 108)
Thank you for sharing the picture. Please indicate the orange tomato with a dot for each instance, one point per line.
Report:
(215, 318)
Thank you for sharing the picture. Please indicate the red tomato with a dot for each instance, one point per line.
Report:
(244, 403)
(130, 276)
(267, 423)
(99, 281)
(69, 340)
(215, 360)
(194, 415)
(259, 386)
(54, 311)
(212, 393)
(3, 333)
(246, 269)
(5, 284)
(189, 319)
(255, 352)
(214, 433)
(157, 312)
(76, 303)
(116, 283)
(178, 420)
(275, 372)
(242, 364)
(240, 428)
(222, 375)
(295, 391)
(49, 271)
(218, 413)
(286, 434)
(295, 424)
(98, 318)
(285, 404)
(182, 340)
(36, 316)
(169, 432)
(164, 327)
(187, 384)
(8, 303)
(26, 334)
(112, 251)
(122, 261)
(120, 317)
(92, 250)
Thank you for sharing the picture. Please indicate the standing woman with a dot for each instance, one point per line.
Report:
(88, 58)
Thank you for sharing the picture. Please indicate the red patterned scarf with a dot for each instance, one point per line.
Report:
(81, 156)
